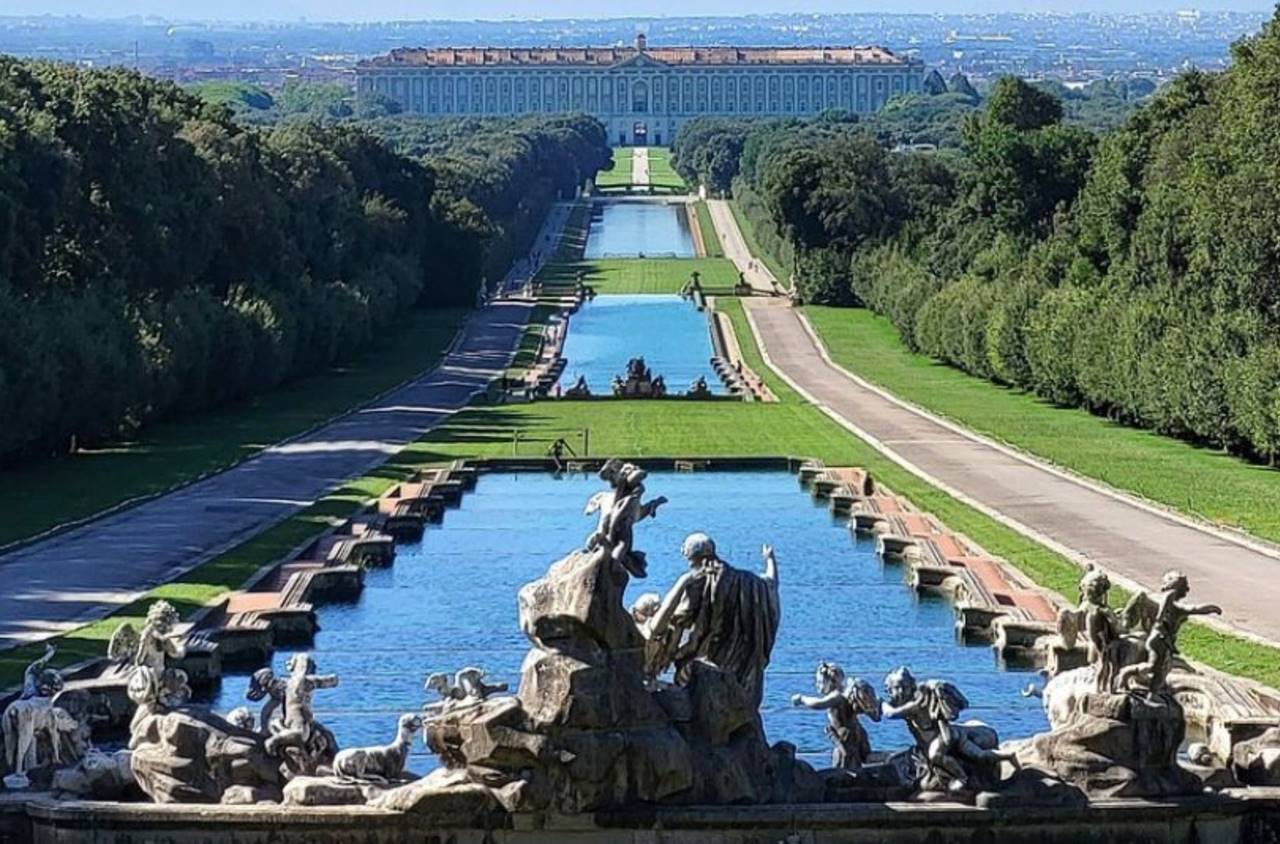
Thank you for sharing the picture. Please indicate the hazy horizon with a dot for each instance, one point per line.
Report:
(370, 11)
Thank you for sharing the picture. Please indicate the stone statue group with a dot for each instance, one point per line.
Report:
(654, 703)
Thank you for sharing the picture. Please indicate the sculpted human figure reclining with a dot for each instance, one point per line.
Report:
(720, 614)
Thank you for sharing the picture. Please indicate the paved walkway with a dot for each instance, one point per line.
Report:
(1128, 538)
(735, 247)
(85, 573)
(1132, 540)
(640, 166)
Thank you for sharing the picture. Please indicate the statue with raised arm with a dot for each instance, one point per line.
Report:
(295, 738)
(621, 507)
(723, 615)
(844, 699)
(153, 647)
(950, 756)
(1161, 644)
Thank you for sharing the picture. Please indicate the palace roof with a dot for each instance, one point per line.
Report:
(609, 56)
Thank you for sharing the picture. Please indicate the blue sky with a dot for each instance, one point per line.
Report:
(356, 10)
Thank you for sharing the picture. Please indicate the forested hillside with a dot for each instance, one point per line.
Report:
(157, 257)
(1135, 273)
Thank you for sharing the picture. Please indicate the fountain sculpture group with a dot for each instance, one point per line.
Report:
(658, 703)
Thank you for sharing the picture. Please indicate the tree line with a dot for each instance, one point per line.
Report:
(1135, 273)
(157, 257)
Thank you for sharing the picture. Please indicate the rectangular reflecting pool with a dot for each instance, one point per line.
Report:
(668, 332)
(639, 229)
(449, 601)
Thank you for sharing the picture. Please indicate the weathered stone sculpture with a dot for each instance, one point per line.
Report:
(36, 732)
(584, 731)
(951, 757)
(844, 699)
(699, 389)
(299, 740)
(621, 508)
(725, 616)
(190, 756)
(468, 687)
(639, 382)
(384, 763)
(152, 648)
(1117, 725)
(1095, 622)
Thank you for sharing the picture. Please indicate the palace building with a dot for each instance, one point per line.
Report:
(642, 94)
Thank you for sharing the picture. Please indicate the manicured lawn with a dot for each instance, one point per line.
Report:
(40, 495)
(620, 175)
(790, 427)
(652, 275)
(1202, 482)
(710, 239)
(781, 273)
(661, 173)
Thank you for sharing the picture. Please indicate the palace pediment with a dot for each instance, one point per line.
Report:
(638, 60)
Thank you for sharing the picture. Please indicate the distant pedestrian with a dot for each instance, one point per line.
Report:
(557, 452)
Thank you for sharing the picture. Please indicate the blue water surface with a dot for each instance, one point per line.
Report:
(450, 601)
(639, 229)
(668, 332)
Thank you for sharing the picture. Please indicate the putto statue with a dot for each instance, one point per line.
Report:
(35, 731)
(950, 756)
(1099, 626)
(152, 648)
(844, 699)
(1161, 645)
(720, 614)
(298, 738)
(621, 507)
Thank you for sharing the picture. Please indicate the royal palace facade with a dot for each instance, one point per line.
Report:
(641, 94)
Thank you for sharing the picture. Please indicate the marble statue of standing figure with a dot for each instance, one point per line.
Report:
(723, 615)
(299, 727)
(152, 648)
(1095, 622)
(1161, 646)
(952, 755)
(621, 507)
(844, 699)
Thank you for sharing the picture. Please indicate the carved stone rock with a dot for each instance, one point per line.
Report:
(1257, 760)
(329, 791)
(98, 776)
(577, 607)
(1117, 745)
(194, 757)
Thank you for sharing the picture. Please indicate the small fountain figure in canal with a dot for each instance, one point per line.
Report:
(844, 699)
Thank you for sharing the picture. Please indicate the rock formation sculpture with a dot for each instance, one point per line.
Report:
(844, 699)
(950, 757)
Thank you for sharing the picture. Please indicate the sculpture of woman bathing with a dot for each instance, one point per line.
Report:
(723, 615)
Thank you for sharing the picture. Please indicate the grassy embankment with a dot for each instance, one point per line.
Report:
(710, 239)
(651, 275)
(781, 273)
(1202, 482)
(43, 494)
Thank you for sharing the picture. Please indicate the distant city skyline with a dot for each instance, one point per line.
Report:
(391, 10)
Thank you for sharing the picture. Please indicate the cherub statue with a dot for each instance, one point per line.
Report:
(658, 650)
(621, 507)
(721, 614)
(468, 687)
(264, 685)
(295, 737)
(33, 717)
(1161, 644)
(844, 699)
(152, 648)
(951, 756)
(1098, 624)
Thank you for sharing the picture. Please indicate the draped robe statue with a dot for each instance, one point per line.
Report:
(724, 615)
